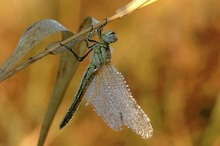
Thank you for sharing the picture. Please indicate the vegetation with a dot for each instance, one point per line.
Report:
(168, 53)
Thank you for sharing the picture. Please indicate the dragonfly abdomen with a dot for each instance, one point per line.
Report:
(88, 76)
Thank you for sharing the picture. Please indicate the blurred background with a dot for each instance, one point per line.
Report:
(168, 52)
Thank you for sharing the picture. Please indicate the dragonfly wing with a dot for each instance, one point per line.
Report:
(118, 94)
(98, 95)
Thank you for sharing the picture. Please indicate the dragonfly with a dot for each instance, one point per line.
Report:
(106, 89)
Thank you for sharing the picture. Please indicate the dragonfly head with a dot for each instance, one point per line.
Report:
(109, 37)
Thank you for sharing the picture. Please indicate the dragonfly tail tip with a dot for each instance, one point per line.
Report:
(62, 124)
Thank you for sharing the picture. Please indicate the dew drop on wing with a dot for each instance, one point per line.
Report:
(100, 96)
(133, 116)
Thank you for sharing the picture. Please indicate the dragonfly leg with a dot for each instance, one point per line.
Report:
(99, 30)
(76, 56)
(88, 39)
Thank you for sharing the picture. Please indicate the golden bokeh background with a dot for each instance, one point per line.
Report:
(168, 52)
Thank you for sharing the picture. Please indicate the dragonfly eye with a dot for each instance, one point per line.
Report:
(109, 37)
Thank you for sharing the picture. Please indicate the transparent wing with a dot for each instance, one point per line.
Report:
(97, 94)
(109, 87)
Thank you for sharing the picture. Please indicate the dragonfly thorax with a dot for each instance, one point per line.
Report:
(109, 37)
